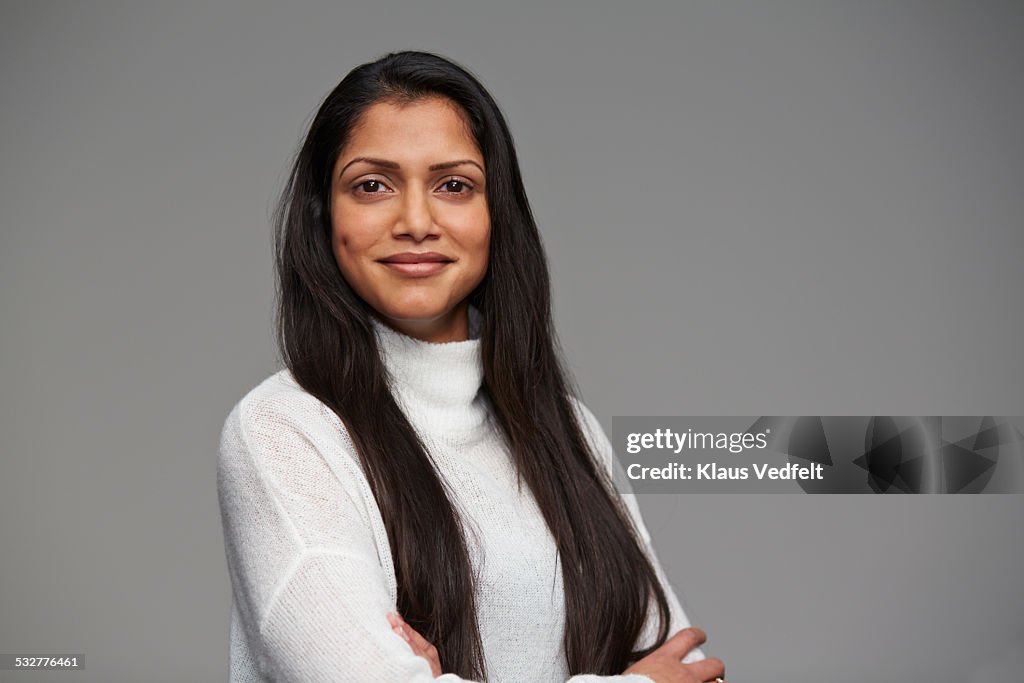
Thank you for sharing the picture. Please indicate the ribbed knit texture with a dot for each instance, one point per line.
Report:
(308, 557)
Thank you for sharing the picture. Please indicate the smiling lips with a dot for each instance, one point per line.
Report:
(412, 264)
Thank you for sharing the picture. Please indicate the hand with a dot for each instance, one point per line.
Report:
(420, 645)
(663, 665)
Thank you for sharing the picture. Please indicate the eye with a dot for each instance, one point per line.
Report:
(370, 186)
(457, 186)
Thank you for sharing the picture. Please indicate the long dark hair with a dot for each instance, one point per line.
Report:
(327, 341)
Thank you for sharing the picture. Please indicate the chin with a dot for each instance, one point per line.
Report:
(415, 310)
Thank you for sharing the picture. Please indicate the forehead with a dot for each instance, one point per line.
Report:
(423, 130)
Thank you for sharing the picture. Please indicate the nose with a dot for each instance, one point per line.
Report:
(416, 218)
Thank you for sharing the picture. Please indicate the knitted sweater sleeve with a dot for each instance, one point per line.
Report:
(306, 574)
(606, 452)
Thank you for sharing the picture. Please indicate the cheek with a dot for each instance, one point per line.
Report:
(480, 250)
(483, 238)
(352, 232)
(350, 251)
(342, 242)
(474, 231)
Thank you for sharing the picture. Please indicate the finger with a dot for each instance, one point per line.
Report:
(397, 625)
(708, 669)
(411, 635)
(682, 642)
(420, 643)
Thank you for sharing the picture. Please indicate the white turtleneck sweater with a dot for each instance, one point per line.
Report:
(308, 557)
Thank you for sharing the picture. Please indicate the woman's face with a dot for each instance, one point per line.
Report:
(409, 217)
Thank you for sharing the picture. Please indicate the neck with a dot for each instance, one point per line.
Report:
(437, 384)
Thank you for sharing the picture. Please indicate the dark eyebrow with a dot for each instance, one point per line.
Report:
(384, 163)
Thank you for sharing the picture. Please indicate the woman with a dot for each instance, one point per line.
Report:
(377, 526)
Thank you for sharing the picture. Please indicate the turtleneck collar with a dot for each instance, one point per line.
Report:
(436, 384)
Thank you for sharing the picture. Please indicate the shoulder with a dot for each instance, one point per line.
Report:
(585, 416)
(592, 431)
(604, 451)
(284, 452)
(278, 411)
(278, 395)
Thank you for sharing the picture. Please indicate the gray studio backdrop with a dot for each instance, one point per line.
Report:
(756, 208)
